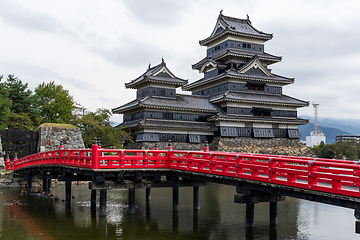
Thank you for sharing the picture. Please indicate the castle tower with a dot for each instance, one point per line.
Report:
(238, 80)
(239, 96)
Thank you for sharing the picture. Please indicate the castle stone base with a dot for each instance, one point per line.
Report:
(274, 146)
(50, 137)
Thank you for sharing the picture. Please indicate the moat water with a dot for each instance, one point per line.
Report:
(37, 217)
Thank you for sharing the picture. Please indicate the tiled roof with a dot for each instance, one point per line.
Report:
(239, 53)
(234, 74)
(181, 102)
(170, 124)
(276, 120)
(152, 75)
(235, 26)
(260, 98)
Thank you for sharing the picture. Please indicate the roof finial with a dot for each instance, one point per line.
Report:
(221, 11)
(162, 61)
(149, 66)
(247, 16)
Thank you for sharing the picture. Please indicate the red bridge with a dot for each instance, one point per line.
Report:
(257, 177)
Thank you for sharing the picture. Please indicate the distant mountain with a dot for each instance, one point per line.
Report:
(350, 126)
(329, 132)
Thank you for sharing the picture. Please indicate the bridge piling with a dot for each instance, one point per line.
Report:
(148, 194)
(49, 184)
(103, 196)
(196, 198)
(45, 183)
(249, 215)
(175, 199)
(29, 183)
(67, 192)
(131, 200)
(357, 221)
(273, 213)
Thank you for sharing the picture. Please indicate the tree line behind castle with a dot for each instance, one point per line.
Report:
(23, 109)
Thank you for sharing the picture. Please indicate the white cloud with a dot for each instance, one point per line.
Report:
(92, 48)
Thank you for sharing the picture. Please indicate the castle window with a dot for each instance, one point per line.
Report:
(261, 112)
(255, 86)
(163, 92)
(244, 45)
(248, 45)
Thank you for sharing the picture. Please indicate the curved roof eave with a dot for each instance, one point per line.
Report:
(305, 104)
(190, 86)
(206, 41)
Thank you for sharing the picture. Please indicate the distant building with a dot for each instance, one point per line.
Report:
(316, 136)
(238, 96)
(346, 137)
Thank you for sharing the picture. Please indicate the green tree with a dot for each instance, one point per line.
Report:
(21, 99)
(19, 121)
(53, 103)
(351, 153)
(5, 104)
(97, 124)
(19, 94)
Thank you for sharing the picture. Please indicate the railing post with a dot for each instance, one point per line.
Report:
(312, 181)
(169, 149)
(15, 161)
(206, 148)
(61, 152)
(95, 155)
(61, 147)
(272, 172)
(7, 162)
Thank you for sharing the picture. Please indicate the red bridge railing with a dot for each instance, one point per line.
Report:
(326, 175)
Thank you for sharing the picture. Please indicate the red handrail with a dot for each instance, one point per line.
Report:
(326, 175)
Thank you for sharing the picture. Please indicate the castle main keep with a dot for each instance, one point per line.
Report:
(238, 96)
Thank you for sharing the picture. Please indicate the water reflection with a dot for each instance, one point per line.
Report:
(37, 217)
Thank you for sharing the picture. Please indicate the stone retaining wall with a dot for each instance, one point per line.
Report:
(50, 137)
(275, 146)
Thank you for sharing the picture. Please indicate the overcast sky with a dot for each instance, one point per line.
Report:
(93, 47)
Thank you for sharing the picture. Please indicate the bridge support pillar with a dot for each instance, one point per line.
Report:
(103, 195)
(93, 197)
(29, 183)
(45, 183)
(273, 213)
(49, 184)
(357, 222)
(196, 197)
(175, 199)
(131, 200)
(148, 194)
(67, 192)
(250, 215)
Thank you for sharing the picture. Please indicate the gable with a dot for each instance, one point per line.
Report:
(164, 72)
(254, 67)
(209, 65)
(256, 71)
(219, 30)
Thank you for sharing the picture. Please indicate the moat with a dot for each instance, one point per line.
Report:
(31, 216)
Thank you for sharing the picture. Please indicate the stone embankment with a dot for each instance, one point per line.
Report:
(275, 146)
(51, 135)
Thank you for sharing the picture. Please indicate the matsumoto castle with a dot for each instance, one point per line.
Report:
(238, 96)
